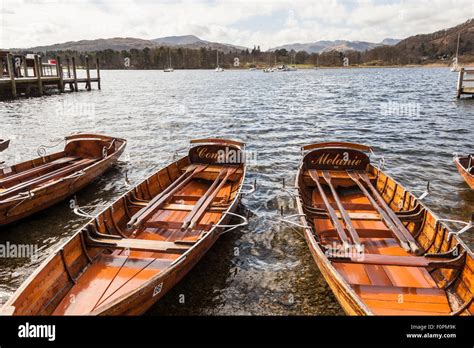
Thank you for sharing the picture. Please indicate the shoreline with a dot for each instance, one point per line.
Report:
(411, 66)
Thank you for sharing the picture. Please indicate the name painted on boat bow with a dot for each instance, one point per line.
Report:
(336, 159)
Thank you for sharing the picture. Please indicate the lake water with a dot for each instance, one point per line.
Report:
(410, 116)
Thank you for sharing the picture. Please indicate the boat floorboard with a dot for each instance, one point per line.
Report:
(106, 279)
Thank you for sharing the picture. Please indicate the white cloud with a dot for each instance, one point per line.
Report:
(266, 23)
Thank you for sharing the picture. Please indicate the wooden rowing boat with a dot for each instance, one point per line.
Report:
(31, 186)
(465, 165)
(379, 248)
(126, 258)
(4, 143)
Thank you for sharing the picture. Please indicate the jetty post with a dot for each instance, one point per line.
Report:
(460, 78)
(38, 74)
(25, 67)
(74, 73)
(11, 72)
(88, 72)
(59, 71)
(98, 72)
(68, 62)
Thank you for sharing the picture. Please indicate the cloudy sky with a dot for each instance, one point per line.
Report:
(268, 23)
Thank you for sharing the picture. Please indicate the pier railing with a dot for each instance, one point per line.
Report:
(30, 76)
(465, 82)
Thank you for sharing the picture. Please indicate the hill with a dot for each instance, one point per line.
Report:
(128, 43)
(336, 45)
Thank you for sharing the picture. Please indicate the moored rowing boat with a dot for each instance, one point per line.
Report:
(32, 186)
(379, 248)
(465, 166)
(127, 257)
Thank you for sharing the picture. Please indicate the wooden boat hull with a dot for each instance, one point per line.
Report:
(104, 280)
(401, 284)
(45, 196)
(4, 144)
(462, 169)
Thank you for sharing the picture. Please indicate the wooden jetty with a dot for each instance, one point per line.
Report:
(28, 75)
(465, 82)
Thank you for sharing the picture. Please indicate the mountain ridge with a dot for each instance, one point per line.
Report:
(128, 43)
(322, 46)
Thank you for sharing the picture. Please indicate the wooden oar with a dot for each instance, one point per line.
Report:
(202, 210)
(401, 238)
(332, 213)
(56, 174)
(163, 196)
(35, 171)
(202, 205)
(411, 240)
(350, 227)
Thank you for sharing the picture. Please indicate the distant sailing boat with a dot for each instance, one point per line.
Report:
(317, 63)
(218, 68)
(268, 69)
(456, 67)
(169, 68)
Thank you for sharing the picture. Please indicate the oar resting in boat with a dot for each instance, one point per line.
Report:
(332, 214)
(388, 215)
(164, 196)
(51, 176)
(415, 267)
(342, 210)
(203, 204)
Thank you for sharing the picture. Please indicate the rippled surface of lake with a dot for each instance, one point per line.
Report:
(410, 116)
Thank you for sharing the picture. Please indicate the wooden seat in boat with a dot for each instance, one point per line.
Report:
(138, 244)
(189, 207)
(393, 260)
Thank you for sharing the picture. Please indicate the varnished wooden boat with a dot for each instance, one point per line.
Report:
(4, 143)
(379, 248)
(125, 259)
(465, 165)
(31, 186)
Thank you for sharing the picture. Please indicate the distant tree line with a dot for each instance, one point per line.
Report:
(410, 52)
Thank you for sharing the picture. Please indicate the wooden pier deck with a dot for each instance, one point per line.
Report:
(465, 82)
(18, 80)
